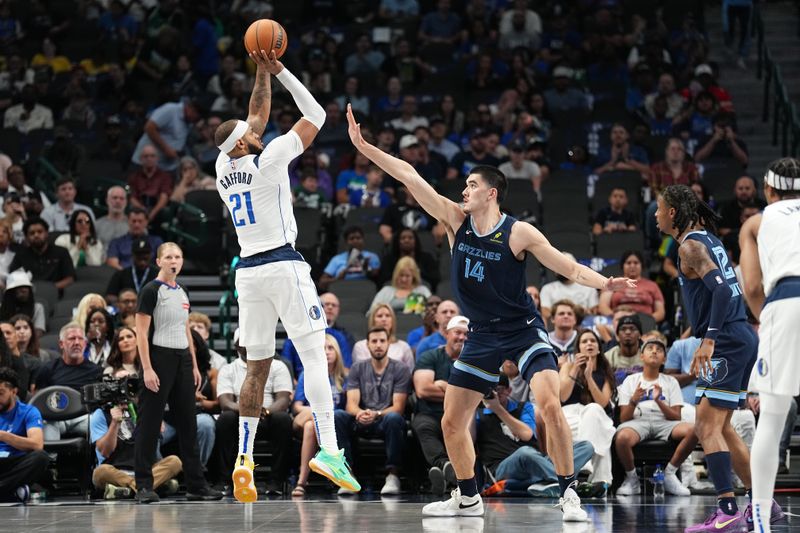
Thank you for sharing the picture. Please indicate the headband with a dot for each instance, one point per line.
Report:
(782, 183)
(237, 133)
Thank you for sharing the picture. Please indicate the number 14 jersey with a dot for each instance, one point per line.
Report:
(488, 281)
(257, 192)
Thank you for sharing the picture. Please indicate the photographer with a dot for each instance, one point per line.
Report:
(111, 428)
(723, 143)
(355, 263)
(22, 458)
(507, 442)
(170, 375)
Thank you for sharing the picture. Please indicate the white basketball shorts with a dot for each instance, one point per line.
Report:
(281, 290)
(777, 369)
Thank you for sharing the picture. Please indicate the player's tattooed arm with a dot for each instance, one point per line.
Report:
(261, 97)
(695, 261)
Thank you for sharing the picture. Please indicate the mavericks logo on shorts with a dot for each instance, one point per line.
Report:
(762, 367)
(314, 312)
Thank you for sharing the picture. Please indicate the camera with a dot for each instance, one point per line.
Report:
(110, 391)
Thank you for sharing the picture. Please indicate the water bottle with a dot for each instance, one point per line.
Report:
(658, 482)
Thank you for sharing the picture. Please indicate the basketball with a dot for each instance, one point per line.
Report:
(267, 35)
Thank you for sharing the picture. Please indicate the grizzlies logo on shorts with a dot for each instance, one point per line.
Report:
(719, 371)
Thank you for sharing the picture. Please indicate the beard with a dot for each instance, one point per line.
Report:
(253, 149)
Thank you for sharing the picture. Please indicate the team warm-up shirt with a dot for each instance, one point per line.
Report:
(488, 281)
(779, 242)
(168, 307)
(697, 297)
(257, 192)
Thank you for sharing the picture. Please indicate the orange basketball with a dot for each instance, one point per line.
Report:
(266, 34)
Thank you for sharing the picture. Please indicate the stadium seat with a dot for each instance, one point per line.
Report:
(80, 288)
(629, 180)
(720, 180)
(368, 218)
(405, 323)
(101, 274)
(58, 403)
(564, 181)
(577, 243)
(451, 189)
(46, 292)
(613, 245)
(355, 296)
(11, 142)
(522, 200)
(355, 323)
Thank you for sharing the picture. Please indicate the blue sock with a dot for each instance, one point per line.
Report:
(566, 482)
(468, 487)
(719, 468)
(728, 506)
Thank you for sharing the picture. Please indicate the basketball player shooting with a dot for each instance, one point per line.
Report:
(488, 276)
(272, 279)
(770, 260)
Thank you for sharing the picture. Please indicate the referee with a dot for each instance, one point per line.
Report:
(170, 376)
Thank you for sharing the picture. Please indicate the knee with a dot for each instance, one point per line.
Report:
(450, 425)
(40, 458)
(173, 463)
(394, 421)
(551, 411)
(626, 438)
(205, 425)
(282, 422)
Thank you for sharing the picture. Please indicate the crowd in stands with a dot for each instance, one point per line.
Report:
(580, 104)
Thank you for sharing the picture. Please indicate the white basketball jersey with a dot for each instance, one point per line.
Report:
(257, 192)
(779, 242)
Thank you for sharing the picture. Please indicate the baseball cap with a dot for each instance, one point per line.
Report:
(563, 72)
(12, 196)
(632, 320)
(141, 246)
(655, 341)
(458, 321)
(407, 141)
(517, 146)
(703, 68)
(18, 278)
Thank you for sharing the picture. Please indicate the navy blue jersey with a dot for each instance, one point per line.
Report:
(697, 297)
(488, 281)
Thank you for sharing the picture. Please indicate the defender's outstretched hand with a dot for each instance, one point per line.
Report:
(267, 61)
(354, 129)
(618, 284)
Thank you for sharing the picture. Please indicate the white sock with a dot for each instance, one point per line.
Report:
(318, 392)
(762, 511)
(670, 469)
(631, 474)
(248, 425)
(764, 455)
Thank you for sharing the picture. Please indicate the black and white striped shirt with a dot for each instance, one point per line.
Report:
(168, 307)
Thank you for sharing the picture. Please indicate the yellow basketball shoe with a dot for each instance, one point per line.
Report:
(244, 487)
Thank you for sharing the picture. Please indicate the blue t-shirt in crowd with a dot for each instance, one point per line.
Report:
(18, 421)
(362, 198)
(339, 262)
(349, 179)
(527, 415)
(434, 340)
(339, 396)
(414, 336)
(680, 357)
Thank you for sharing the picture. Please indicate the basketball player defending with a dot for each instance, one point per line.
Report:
(713, 300)
(770, 259)
(488, 273)
(272, 279)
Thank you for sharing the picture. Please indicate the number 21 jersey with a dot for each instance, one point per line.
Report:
(257, 192)
(488, 281)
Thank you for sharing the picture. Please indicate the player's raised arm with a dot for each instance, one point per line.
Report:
(313, 114)
(537, 244)
(443, 209)
(751, 267)
(261, 97)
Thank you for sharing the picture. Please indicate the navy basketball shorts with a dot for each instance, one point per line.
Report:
(734, 356)
(522, 340)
